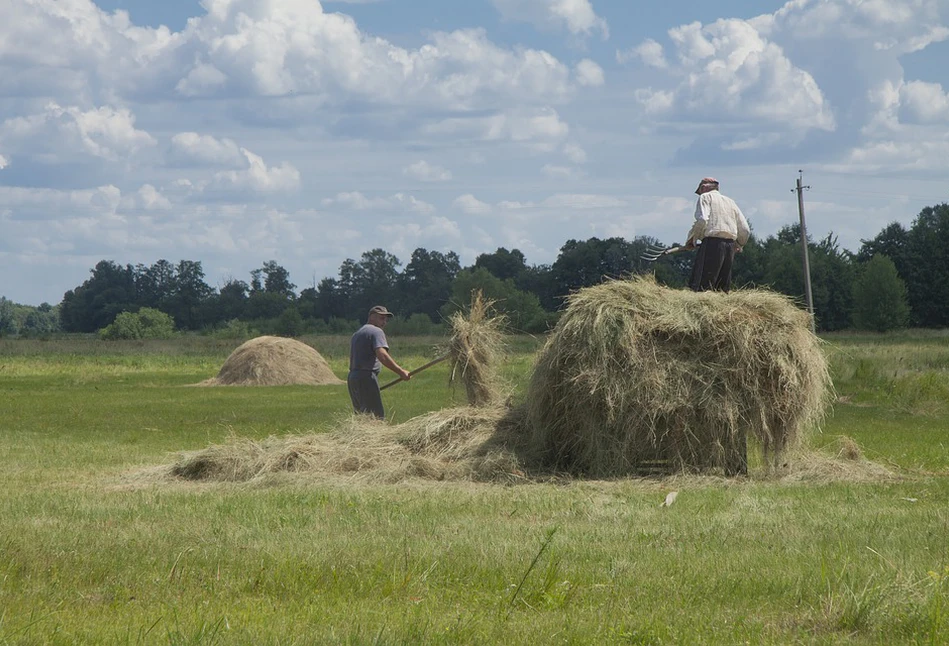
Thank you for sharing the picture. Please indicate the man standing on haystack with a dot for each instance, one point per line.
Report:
(723, 231)
(368, 352)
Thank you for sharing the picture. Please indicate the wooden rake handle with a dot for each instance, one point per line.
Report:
(417, 370)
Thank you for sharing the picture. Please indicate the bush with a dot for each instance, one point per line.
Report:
(147, 323)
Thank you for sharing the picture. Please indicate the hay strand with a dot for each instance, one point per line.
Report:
(476, 348)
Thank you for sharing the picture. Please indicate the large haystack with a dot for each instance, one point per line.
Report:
(637, 377)
(274, 361)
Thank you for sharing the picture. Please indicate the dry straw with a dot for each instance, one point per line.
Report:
(452, 444)
(475, 349)
(274, 361)
(638, 375)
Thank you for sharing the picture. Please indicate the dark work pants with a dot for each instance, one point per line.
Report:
(713, 265)
(364, 392)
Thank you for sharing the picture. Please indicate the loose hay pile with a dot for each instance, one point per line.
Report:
(455, 444)
(475, 350)
(637, 375)
(274, 361)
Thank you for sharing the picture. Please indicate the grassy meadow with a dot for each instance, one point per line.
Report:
(94, 552)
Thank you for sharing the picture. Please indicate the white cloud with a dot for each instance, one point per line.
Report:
(4, 162)
(425, 172)
(575, 153)
(253, 48)
(589, 74)
(192, 148)
(576, 16)
(541, 128)
(729, 71)
(256, 177)
(147, 198)
(924, 102)
(583, 201)
(559, 172)
(471, 205)
(60, 132)
(649, 52)
(356, 201)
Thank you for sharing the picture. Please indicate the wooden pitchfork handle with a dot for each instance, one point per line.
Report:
(417, 370)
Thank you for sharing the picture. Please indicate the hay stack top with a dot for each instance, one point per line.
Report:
(274, 361)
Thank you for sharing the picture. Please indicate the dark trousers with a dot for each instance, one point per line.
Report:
(364, 392)
(712, 269)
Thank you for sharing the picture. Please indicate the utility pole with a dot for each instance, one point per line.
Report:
(807, 265)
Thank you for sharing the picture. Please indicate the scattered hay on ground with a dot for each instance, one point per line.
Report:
(636, 374)
(274, 361)
(475, 350)
(819, 467)
(461, 444)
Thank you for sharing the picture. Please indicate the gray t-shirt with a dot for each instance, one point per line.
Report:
(362, 348)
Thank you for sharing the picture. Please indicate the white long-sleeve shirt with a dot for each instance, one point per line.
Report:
(717, 216)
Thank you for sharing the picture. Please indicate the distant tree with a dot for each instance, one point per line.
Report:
(582, 263)
(425, 284)
(371, 281)
(231, 301)
(40, 321)
(522, 309)
(155, 285)
(330, 301)
(94, 304)
(188, 294)
(8, 323)
(879, 297)
(277, 280)
(502, 263)
(925, 268)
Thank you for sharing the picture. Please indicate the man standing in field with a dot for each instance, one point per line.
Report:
(368, 352)
(723, 231)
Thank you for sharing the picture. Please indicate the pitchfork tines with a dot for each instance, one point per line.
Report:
(655, 252)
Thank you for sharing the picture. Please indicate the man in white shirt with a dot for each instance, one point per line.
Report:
(722, 230)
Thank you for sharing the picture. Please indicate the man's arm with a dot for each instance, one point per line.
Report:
(744, 231)
(386, 359)
(697, 232)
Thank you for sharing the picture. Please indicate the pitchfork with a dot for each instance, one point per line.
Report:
(655, 252)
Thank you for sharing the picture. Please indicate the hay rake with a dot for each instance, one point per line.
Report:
(654, 252)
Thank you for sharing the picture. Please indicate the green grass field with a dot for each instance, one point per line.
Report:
(90, 555)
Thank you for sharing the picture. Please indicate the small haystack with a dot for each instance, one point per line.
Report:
(274, 361)
(475, 351)
(637, 378)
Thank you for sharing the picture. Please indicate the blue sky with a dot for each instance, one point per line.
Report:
(239, 131)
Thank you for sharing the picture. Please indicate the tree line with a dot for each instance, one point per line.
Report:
(898, 278)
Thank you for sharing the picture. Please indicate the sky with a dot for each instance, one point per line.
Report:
(235, 132)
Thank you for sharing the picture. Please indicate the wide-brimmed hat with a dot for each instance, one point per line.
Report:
(707, 181)
(380, 309)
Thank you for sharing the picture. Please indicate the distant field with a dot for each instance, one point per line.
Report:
(89, 556)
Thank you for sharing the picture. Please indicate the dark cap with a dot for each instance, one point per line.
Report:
(380, 309)
(707, 182)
